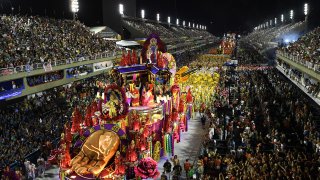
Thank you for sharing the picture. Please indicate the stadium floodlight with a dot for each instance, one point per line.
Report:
(142, 14)
(177, 21)
(158, 17)
(275, 21)
(121, 9)
(169, 19)
(306, 9)
(74, 8)
(184, 23)
(282, 18)
(291, 14)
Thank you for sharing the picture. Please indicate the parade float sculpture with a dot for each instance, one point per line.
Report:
(133, 121)
(95, 153)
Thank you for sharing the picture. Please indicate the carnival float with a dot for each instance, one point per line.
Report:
(133, 121)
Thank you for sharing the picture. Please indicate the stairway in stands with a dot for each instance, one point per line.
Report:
(315, 110)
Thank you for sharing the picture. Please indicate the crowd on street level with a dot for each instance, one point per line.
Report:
(32, 39)
(267, 131)
(35, 123)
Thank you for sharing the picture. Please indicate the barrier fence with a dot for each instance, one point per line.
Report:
(50, 64)
(299, 59)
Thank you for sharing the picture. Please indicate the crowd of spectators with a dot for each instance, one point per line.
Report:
(260, 38)
(76, 71)
(35, 123)
(165, 31)
(306, 50)
(311, 86)
(33, 39)
(44, 78)
(268, 132)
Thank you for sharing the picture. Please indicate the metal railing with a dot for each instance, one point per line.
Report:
(299, 59)
(35, 66)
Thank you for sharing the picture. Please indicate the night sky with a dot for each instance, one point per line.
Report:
(238, 16)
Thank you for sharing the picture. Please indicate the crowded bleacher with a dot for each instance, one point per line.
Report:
(32, 39)
(305, 50)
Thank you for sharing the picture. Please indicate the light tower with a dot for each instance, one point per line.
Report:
(121, 9)
(158, 17)
(74, 8)
(142, 13)
(177, 22)
(291, 15)
(306, 13)
(169, 20)
(306, 10)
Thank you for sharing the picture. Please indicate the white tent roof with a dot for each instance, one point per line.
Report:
(124, 43)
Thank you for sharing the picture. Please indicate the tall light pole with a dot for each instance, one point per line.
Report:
(74, 8)
(184, 23)
(177, 22)
(282, 18)
(189, 25)
(169, 20)
(291, 15)
(121, 9)
(306, 12)
(158, 17)
(275, 21)
(142, 14)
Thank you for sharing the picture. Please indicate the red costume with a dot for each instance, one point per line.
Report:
(134, 57)
(66, 158)
(136, 98)
(131, 153)
(88, 118)
(123, 61)
(129, 60)
(119, 167)
(76, 120)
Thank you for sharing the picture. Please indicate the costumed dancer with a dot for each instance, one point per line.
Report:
(131, 153)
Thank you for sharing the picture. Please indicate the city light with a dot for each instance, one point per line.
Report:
(306, 9)
(282, 17)
(142, 14)
(74, 6)
(121, 9)
(197, 26)
(158, 17)
(177, 21)
(275, 21)
(169, 19)
(193, 25)
(189, 25)
(184, 23)
(291, 14)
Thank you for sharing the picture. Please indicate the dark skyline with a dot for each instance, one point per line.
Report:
(219, 16)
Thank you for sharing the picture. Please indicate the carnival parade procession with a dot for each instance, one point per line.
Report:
(125, 90)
